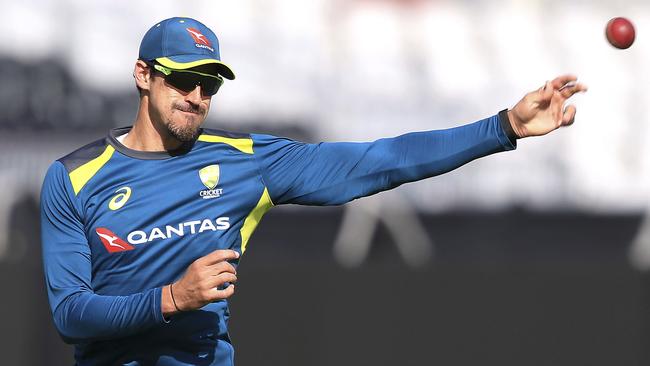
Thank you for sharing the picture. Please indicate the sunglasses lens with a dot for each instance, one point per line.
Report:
(187, 82)
(183, 81)
(210, 86)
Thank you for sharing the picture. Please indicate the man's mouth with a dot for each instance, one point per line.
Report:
(189, 110)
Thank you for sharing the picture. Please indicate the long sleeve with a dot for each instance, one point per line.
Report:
(80, 314)
(335, 173)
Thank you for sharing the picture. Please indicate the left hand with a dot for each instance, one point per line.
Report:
(542, 111)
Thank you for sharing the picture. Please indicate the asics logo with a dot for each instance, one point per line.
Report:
(120, 199)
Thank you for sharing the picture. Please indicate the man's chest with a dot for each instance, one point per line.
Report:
(159, 216)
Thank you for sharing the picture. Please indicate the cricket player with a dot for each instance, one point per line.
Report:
(142, 230)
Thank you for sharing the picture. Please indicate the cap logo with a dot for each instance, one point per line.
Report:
(198, 36)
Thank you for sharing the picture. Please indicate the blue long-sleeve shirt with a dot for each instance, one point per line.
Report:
(119, 224)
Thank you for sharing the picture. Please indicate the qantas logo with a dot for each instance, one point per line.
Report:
(114, 244)
(198, 37)
(111, 241)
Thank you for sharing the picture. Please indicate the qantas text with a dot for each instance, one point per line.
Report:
(190, 227)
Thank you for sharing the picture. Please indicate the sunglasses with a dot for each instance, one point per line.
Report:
(187, 80)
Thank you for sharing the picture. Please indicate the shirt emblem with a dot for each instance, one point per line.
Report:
(120, 199)
(210, 178)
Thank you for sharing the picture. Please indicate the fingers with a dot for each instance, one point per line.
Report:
(572, 88)
(225, 293)
(211, 288)
(546, 93)
(569, 115)
(567, 85)
(221, 267)
(219, 255)
(562, 80)
(215, 282)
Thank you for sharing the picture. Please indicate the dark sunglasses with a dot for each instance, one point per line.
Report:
(187, 80)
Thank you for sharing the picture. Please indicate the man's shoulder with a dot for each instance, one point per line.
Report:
(240, 141)
(223, 133)
(84, 154)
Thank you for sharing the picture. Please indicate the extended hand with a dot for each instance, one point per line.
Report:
(200, 285)
(542, 111)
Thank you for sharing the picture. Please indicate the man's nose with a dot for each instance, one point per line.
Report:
(194, 97)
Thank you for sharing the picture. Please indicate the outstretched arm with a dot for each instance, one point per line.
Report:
(335, 173)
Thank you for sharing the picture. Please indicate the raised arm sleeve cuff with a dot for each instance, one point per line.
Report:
(506, 126)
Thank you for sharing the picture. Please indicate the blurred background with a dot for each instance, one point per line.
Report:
(532, 257)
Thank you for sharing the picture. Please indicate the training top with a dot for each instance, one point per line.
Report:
(119, 224)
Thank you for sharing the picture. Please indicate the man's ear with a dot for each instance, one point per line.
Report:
(142, 75)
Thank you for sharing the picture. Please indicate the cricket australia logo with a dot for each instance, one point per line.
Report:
(210, 178)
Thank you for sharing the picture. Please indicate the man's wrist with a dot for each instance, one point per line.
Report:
(167, 303)
(506, 124)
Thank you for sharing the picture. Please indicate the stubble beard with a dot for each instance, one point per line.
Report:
(188, 131)
(185, 133)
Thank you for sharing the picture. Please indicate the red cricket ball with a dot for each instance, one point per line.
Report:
(620, 32)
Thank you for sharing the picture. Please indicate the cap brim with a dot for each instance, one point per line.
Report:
(189, 61)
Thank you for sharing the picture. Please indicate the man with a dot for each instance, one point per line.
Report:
(142, 230)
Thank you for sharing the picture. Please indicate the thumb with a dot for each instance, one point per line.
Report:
(569, 115)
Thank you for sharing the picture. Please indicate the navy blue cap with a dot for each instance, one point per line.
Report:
(183, 43)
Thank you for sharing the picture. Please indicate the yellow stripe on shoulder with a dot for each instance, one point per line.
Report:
(80, 176)
(254, 218)
(244, 145)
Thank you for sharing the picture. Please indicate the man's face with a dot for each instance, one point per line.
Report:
(180, 113)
